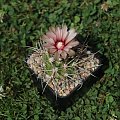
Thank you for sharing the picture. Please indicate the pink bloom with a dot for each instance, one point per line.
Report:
(59, 41)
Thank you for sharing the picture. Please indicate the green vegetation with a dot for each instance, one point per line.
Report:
(22, 22)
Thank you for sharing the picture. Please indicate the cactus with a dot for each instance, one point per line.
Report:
(58, 65)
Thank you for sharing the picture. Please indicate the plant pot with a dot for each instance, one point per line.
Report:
(62, 102)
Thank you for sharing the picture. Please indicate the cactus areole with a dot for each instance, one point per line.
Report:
(63, 67)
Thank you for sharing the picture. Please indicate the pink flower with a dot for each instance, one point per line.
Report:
(59, 41)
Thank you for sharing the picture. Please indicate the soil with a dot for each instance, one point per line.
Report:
(84, 67)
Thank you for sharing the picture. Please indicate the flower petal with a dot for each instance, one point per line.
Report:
(71, 35)
(52, 50)
(52, 29)
(59, 51)
(64, 54)
(44, 37)
(66, 48)
(73, 43)
(49, 40)
(71, 52)
(47, 45)
(51, 35)
(56, 55)
(58, 34)
(61, 34)
(64, 32)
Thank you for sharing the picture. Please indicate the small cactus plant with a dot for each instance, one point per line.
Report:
(58, 63)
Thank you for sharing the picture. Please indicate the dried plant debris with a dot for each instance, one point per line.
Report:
(62, 76)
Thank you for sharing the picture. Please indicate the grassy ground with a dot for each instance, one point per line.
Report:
(22, 22)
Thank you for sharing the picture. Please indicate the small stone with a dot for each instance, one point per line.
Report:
(35, 55)
(92, 64)
(38, 61)
(64, 94)
(84, 75)
(39, 71)
(48, 76)
(30, 61)
(67, 91)
(88, 65)
(35, 71)
(71, 86)
(65, 74)
(93, 68)
(39, 75)
(51, 85)
(75, 84)
(97, 61)
(88, 52)
(51, 59)
(61, 92)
